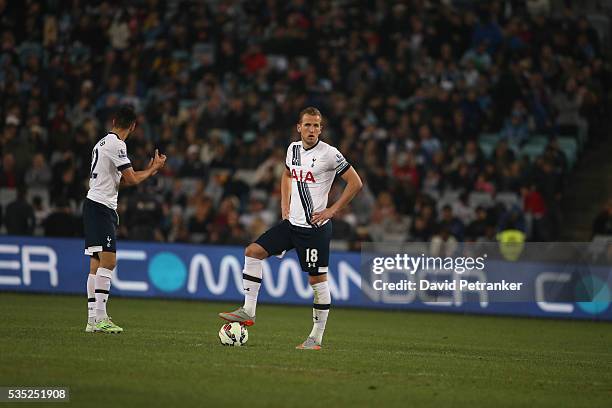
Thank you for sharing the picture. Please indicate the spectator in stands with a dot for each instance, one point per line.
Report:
(62, 222)
(478, 56)
(484, 184)
(192, 166)
(511, 219)
(404, 104)
(177, 230)
(478, 228)
(556, 156)
(443, 243)
(503, 155)
(430, 144)
(516, 131)
(9, 176)
(462, 178)
(233, 233)
(199, 223)
(343, 228)
(549, 185)
(472, 155)
(364, 202)
(39, 175)
(41, 211)
(462, 209)
(535, 211)
(19, 218)
(257, 212)
(420, 230)
(143, 215)
(68, 187)
(20, 147)
(361, 236)
(386, 222)
(451, 223)
(568, 102)
(512, 177)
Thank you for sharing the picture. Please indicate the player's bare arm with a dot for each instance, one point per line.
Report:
(131, 177)
(353, 185)
(285, 194)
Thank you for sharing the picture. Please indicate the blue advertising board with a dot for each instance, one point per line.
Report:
(207, 272)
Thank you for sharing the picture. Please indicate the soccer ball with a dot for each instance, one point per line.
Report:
(233, 334)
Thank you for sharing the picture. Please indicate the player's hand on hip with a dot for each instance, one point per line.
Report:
(322, 216)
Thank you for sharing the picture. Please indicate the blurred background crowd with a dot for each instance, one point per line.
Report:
(463, 118)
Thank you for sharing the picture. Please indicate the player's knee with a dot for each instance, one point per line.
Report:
(94, 262)
(108, 261)
(255, 251)
(314, 279)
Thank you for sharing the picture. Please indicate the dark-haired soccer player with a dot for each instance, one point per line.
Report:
(312, 166)
(110, 166)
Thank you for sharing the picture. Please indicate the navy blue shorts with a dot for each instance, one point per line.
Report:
(311, 244)
(100, 223)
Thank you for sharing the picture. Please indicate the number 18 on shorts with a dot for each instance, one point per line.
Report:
(311, 244)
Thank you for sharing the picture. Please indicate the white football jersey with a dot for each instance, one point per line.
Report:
(312, 173)
(108, 159)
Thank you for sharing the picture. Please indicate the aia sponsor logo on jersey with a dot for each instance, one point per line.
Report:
(304, 176)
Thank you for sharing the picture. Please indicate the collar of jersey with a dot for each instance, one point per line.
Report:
(113, 133)
(311, 147)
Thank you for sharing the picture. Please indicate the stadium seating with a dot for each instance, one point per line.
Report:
(235, 97)
(509, 199)
(569, 146)
(487, 143)
(480, 198)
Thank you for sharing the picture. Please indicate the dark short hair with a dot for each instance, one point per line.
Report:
(312, 111)
(125, 117)
(22, 191)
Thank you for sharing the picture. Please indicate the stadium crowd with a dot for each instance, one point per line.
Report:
(407, 88)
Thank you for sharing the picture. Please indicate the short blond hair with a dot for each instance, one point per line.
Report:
(312, 111)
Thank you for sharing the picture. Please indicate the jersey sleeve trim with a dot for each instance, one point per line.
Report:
(289, 150)
(124, 166)
(343, 169)
(341, 165)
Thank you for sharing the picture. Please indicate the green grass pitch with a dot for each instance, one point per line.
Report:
(170, 355)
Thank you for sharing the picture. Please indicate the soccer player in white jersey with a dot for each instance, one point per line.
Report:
(312, 166)
(110, 167)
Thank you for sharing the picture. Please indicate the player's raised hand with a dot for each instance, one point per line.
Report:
(159, 160)
(322, 216)
(150, 165)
